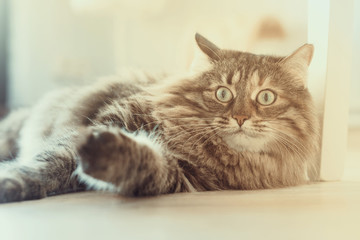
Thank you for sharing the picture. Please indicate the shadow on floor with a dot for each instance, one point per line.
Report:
(3, 111)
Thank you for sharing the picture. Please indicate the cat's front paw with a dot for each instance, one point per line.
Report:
(11, 190)
(101, 152)
(14, 190)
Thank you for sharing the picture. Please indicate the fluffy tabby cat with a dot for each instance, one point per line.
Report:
(238, 121)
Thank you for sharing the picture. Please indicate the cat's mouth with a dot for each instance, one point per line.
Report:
(246, 132)
(245, 139)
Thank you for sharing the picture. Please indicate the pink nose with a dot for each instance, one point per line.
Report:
(240, 119)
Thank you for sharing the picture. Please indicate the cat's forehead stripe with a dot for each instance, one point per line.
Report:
(223, 78)
(229, 78)
(255, 79)
(265, 81)
(236, 77)
(261, 81)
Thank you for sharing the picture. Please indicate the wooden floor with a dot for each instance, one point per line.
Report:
(329, 210)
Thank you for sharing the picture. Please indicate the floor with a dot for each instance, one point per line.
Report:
(328, 210)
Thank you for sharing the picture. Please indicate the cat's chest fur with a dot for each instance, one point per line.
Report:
(230, 165)
(234, 169)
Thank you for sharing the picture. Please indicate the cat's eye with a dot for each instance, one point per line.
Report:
(266, 97)
(224, 94)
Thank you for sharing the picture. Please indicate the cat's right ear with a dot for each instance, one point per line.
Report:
(298, 62)
(206, 54)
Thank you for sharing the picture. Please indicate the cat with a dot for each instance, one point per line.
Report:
(236, 121)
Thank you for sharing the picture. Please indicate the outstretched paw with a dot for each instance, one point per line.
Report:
(100, 150)
(12, 190)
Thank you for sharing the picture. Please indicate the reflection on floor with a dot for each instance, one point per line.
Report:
(328, 210)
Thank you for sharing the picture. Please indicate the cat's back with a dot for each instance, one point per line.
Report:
(80, 105)
(67, 109)
(90, 101)
(63, 112)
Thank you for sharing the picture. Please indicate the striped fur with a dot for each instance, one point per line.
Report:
(140, 135)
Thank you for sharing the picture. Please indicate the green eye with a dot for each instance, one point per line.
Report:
(266, 97)
(223, 94)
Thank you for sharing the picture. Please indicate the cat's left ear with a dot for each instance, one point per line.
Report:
(206, 54)
(298, 62)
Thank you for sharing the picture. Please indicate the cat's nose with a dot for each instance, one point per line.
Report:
(240, 119)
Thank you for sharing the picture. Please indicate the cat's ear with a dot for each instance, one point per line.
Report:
(298, 62)
(205, 54)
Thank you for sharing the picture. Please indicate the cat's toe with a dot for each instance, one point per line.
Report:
(10, 191)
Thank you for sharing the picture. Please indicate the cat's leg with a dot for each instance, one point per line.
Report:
(34, 177)
(133, 164)
(10, 128)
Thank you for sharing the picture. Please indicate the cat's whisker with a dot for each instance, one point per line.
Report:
(205, 135)
(294, 142)
(194, 133)
(281, 131)
(171, 118)
(184, 134)
(162, 117)
(211, 137)
(288, 125)
(206, 140)
(288, 144)
(285, 137)
(190, 127)
(89, 119)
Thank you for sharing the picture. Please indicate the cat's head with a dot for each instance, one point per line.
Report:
(254, 103)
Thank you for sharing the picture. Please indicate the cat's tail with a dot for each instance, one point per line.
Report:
(10, 128)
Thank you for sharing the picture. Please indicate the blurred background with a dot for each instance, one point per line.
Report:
(48, 44)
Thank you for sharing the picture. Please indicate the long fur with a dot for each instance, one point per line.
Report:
(140, 135)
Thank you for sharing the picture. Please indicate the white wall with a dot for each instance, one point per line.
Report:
(355, 84)
(51, 46)
(56, 43)
(3, 55)
(164, 39)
